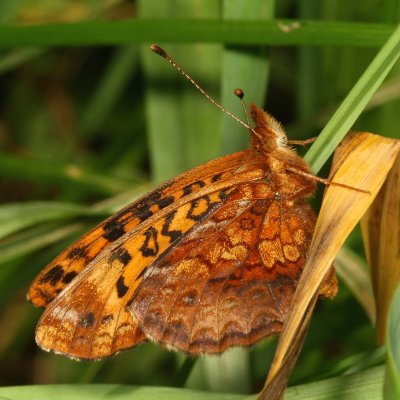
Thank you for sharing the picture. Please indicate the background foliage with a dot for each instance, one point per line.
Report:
(90, 119)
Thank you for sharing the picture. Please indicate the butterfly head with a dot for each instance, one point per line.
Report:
(268, 134)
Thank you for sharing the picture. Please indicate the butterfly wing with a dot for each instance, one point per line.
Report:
(231, 280)
(63, 269)
(90, 318)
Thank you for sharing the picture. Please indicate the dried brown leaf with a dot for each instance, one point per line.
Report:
(363, 160)
(381, 233)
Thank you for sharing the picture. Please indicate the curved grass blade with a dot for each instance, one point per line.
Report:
(182, 126)
(115, 79)
(245, 68)
(356, 100)
(18, 216)
(381, 234)
(364, 385)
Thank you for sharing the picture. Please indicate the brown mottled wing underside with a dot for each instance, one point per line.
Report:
(231, 279)
(60, 272)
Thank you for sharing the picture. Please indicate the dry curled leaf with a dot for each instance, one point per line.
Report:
(363, 160)
(381, 232)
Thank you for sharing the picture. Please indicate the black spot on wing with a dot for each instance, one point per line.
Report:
(141, 208)
(225, 193)
(69, 276)
(189, 188)
(120, 254)
(121, 287)
(166, 201)
(87, 320)
(53, 276)
(193, 213)
(173, 234)
(78, 252)
(216, 177)
(113, 230)
(150, 246)
(143, 212)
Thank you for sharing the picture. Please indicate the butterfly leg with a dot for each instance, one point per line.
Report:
(326, 182)
(302, 142)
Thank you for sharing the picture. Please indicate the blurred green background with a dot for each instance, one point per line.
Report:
(86, 129)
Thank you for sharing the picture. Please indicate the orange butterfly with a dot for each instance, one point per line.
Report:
(207, 261)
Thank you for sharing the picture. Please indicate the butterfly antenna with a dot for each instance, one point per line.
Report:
(239, 93)
(163, 53)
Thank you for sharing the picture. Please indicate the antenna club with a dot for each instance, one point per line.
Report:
(239, 93)
(157, 49)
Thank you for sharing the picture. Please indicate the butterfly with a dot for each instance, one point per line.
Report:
(207, 261)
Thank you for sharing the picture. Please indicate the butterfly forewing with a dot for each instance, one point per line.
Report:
(60, 272)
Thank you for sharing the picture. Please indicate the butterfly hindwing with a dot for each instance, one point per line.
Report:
(231, 280)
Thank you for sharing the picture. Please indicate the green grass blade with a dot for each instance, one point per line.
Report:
(9, 9)
(243, 68)
(181, 124)
(364, 385)
(18, 216)
(307, 82)
(391, 11)
(127, 32)
(353, 105)
(36, 238)
(392, 378)
(15, 217)
(36, 170)
(20, 56)
(114, 81)
(112, 391)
